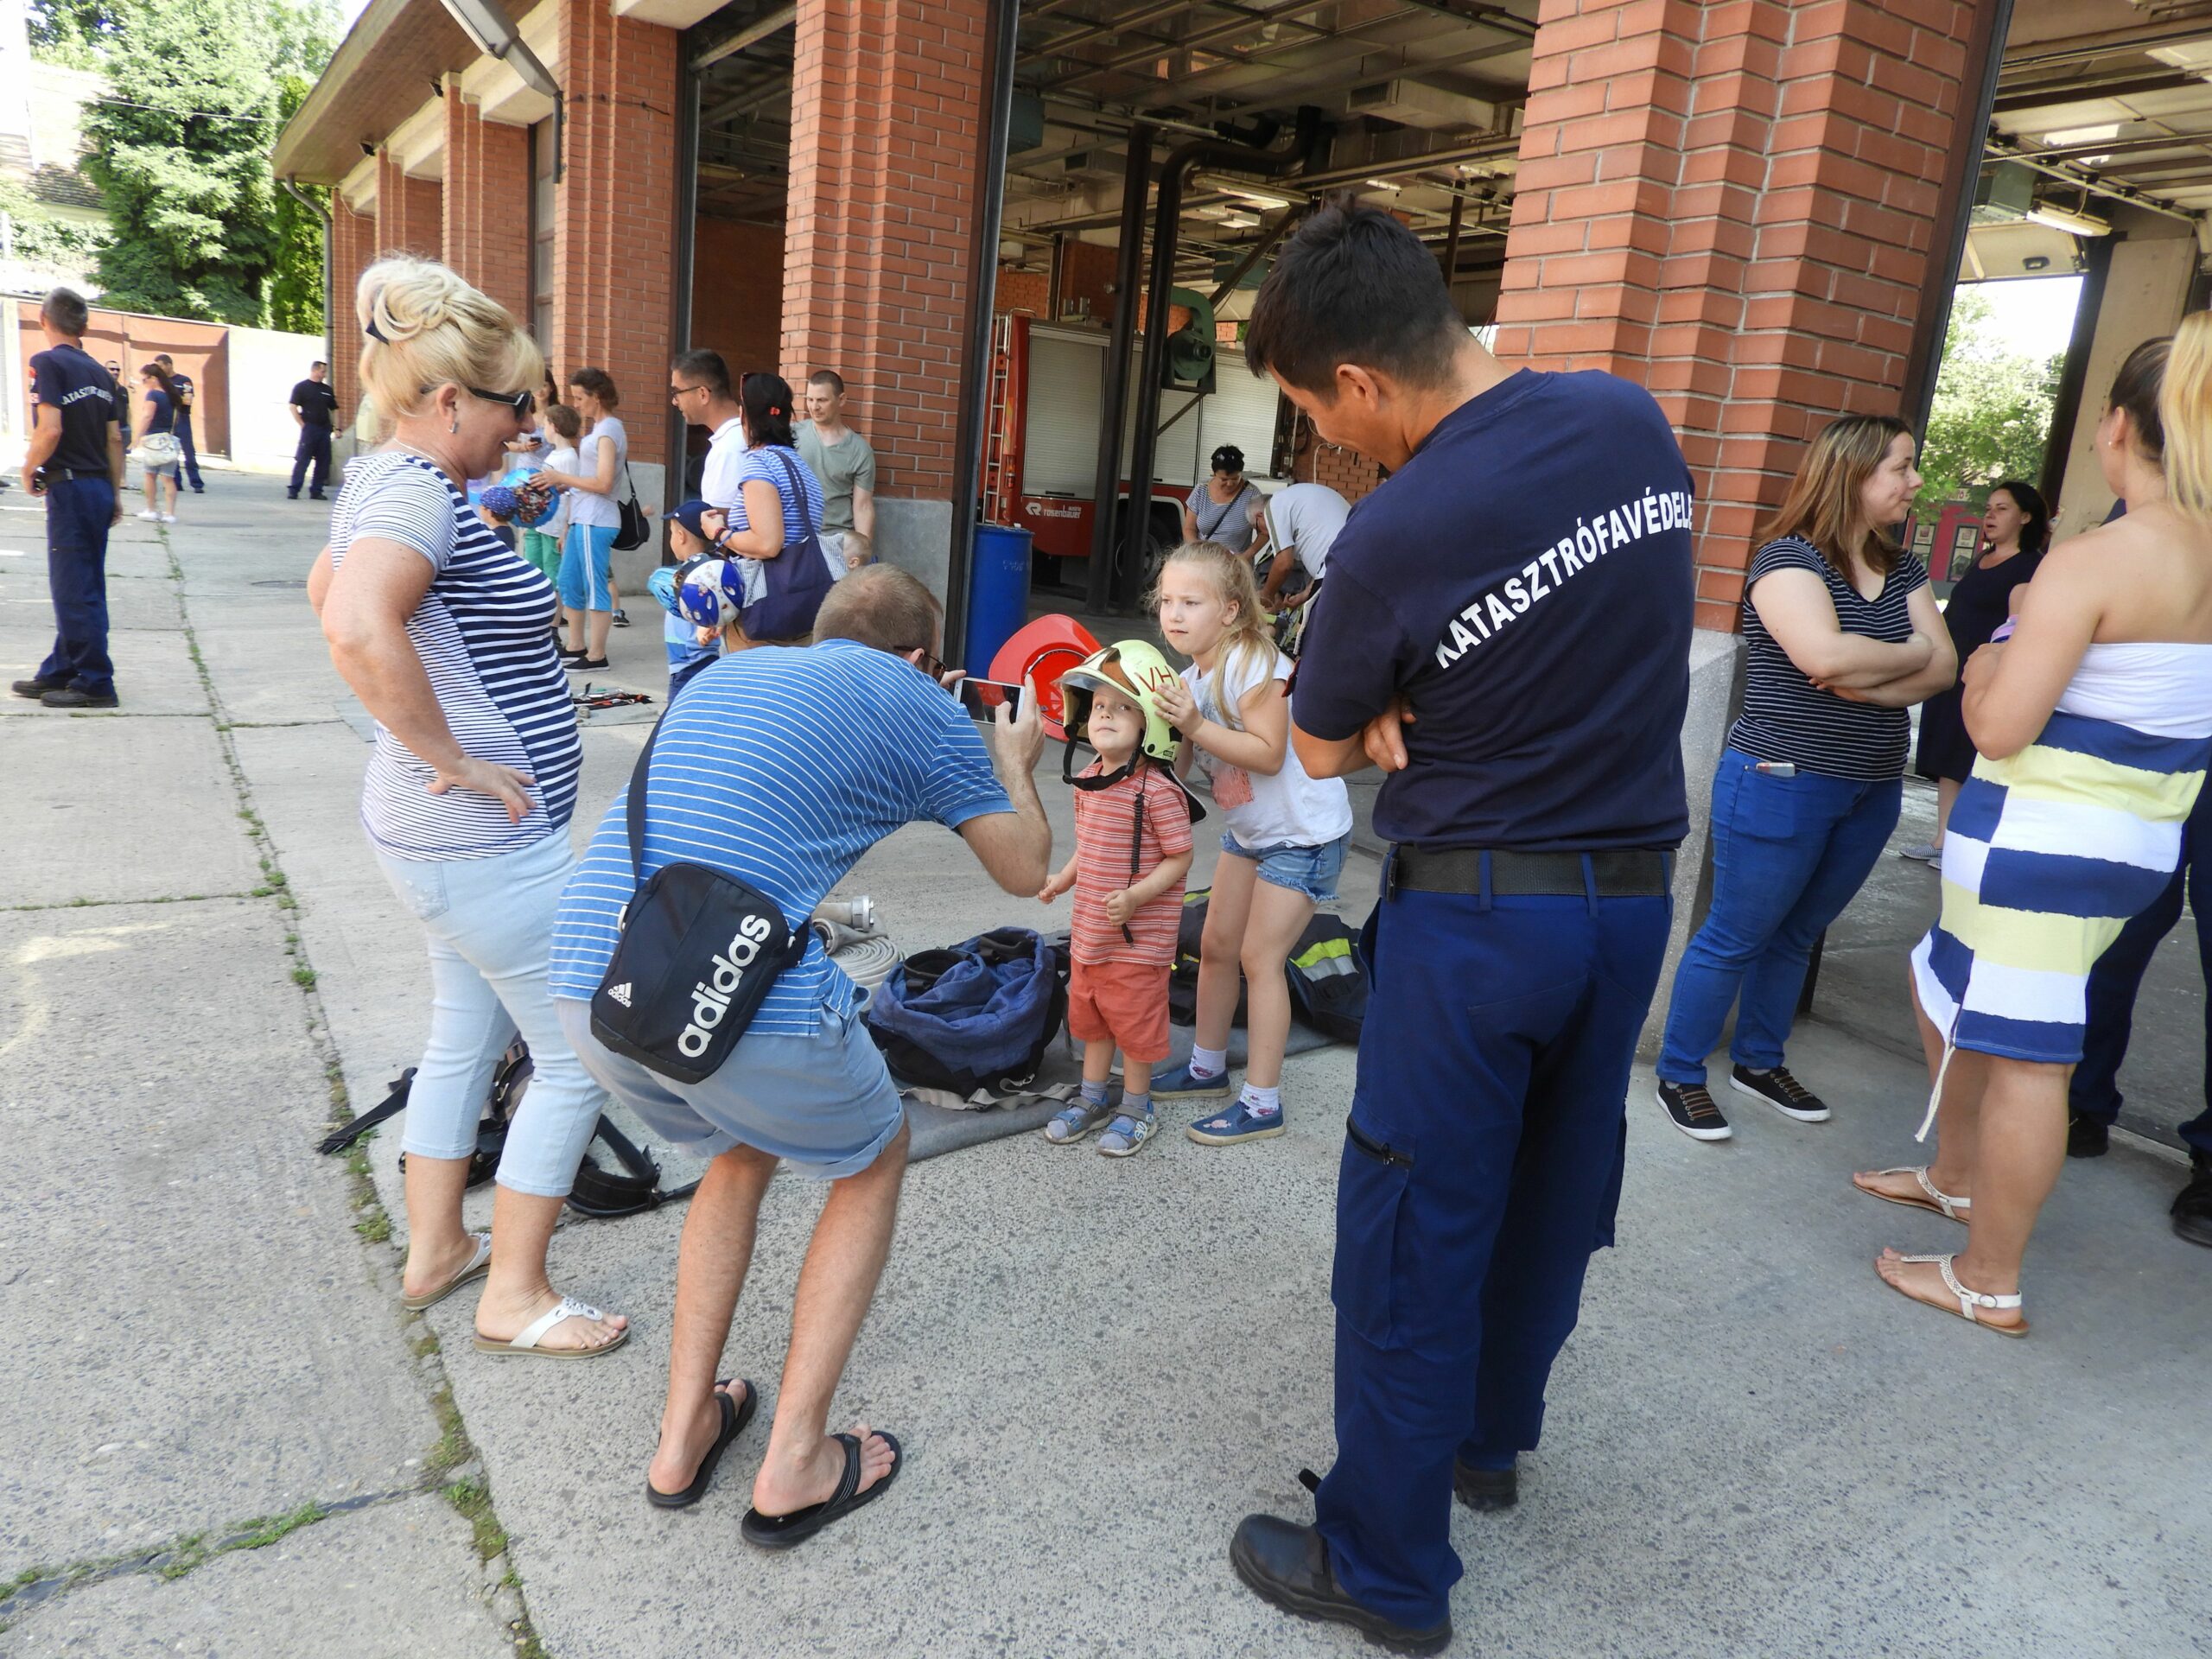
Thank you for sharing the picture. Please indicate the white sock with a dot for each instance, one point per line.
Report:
(1263, 1102)
(1209, 1062)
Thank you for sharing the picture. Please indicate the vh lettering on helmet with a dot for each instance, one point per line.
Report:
(710, 996)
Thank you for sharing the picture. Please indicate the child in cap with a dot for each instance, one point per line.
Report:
(1132, 850)
(695, 596)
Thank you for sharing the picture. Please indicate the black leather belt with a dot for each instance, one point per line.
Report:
(1622, 872)
(66, 474)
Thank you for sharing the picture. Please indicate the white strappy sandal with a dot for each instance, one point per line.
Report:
(566, 1308)
(1941, 1202)
(1971, 1302)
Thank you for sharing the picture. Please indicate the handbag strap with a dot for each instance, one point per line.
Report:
(629, 483)
(634, 808)
(805, 509)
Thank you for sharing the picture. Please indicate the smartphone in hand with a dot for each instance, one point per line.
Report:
(984, 698)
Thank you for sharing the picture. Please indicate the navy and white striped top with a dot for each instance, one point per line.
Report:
(761, 463)
(1787, 717)
(483, 633)
(781, 765)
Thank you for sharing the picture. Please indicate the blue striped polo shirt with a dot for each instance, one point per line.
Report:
(781, 765)
(483, 633)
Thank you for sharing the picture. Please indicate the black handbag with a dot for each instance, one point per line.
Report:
(698, 951)
(798, 579)
(635, 526)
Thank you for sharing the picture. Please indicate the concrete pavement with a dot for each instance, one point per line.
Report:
(1753, 1447)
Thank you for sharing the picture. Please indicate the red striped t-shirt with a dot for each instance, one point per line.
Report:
(1102, 839)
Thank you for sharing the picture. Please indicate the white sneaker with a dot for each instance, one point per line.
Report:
(151, 516)
(169, 518)
(1927, 853)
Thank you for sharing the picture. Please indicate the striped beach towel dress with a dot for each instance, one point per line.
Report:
(2050, 852)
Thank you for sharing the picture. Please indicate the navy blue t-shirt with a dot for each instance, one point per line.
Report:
(1525, 581)
(66, 379)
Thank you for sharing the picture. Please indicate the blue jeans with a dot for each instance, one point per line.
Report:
(490, 922)
(78, 512)
(1788, 854)
(1482, 1166)
(2117, 977)
(187, 453)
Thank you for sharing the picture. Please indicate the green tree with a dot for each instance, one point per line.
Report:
(179, 149)
(74, 32)
(1991, 417)
(295, 280)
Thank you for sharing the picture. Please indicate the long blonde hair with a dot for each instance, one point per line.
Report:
(2185, 411)
(428, 328)
(1245, 640)
(1824, 505)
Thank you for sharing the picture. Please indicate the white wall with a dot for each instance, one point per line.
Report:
(265, 367)
(2144, 293)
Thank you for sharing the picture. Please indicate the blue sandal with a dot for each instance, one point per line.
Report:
(1126, 1134)
(1239, 1123)
(1071, 1125)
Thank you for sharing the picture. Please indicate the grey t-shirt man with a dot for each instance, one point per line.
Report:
(841, 466)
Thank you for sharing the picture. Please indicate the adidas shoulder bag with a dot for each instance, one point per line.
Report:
(698, 951)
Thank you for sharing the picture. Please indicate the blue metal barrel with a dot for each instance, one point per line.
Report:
(998, 593)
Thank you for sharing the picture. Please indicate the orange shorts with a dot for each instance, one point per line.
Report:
(1121, 1003)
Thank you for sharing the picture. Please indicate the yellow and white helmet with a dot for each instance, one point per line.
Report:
(1136, 670)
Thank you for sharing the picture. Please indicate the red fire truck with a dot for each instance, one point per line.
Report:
(1041, 456)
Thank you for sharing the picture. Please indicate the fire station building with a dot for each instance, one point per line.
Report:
(1013, 228)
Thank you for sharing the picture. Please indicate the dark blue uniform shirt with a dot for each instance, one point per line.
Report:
(1525, 581)
(63, 377)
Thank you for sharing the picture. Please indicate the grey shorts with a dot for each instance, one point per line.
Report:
(825, 1104)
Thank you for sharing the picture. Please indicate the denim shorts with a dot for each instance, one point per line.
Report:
(824, 1105)
(1310, 870)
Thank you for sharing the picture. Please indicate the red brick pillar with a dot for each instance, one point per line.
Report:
(488, 202)
(1734, 204)
(885, 97)
(353, 249)
(410, 212)
(614, 211)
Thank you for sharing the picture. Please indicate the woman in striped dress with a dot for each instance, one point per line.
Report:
(2093, 722)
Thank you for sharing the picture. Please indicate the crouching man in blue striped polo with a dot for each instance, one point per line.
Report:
(781, 767)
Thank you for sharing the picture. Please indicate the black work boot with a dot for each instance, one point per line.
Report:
(1483, 1489)
(2192, 1208)
(2087, 1137)
(1289, 1565)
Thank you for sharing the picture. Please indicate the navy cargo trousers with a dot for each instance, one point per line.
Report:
(1481, 1168)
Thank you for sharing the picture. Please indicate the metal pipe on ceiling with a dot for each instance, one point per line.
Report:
(1121, 23)
(1257, 252)
(1360, 74)
(2104, 43)
(1236, 26)
(761, 29)
(1995, 149)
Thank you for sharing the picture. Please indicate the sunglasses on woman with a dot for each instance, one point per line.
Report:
(521, 402)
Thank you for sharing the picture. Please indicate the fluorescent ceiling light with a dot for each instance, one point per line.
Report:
(1382, 184)
(2065, 219)
(1262, 197)
(2196, 56)
(2071, 135)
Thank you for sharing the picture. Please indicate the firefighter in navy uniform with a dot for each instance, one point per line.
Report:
(1506, 631)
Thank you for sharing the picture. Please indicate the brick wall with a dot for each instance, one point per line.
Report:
(488, 202)
(614, 211)
(883, 107)
(1347, 472)
(410, 212)
(1087, 273)
(1734, 204)
(737, 293)
(1024, 291)
(353, 249)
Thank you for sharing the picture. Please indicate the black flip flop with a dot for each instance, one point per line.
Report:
(783, 1531)
(734, 1418)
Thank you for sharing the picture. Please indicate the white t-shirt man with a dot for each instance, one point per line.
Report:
(718, 481)
(1288, 809)
(1303, 520)
(599, 511)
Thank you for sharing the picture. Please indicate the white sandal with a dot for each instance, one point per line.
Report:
(566, 1308)
(1970, 1301)
(479, 1265)
(1942, 1203)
